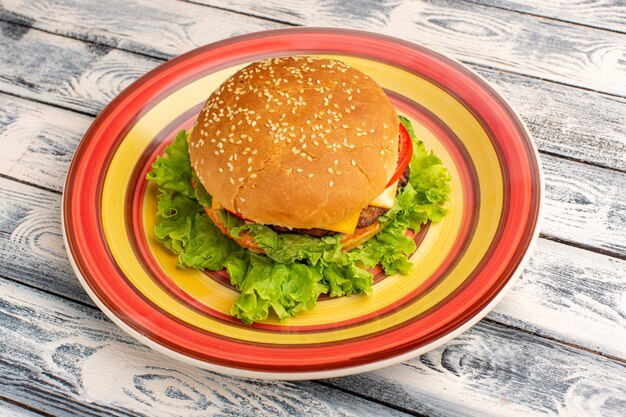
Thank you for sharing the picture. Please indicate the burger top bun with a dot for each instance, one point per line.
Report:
(299, 142)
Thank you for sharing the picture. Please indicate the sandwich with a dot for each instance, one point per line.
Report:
(298, 178)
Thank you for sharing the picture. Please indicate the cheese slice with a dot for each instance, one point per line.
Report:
(215, 205)
(387, 198)
(347, 225)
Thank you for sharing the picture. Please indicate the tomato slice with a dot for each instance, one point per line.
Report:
(238, 215)
(405, 152)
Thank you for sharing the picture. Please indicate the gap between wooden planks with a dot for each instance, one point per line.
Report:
(599, 14)
(519, 43)
(568, 122)
(98, 368)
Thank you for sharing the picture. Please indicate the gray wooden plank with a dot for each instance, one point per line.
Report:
(69, 360)
(572, 295)
(476, 34)
(585, 205)
(64, 72)
(584, 288)
(566, 121)
(31, 240)
(490, 371)
(571, 122)
(38, 141)
(604, 14)
(8, 409)
(160, 28)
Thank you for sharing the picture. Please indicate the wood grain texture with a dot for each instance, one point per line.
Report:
(38, 141)
(585, 205)
(477, 34)
(31, 240)
(491, 371)
(572, 295)
(488, 36)
(8, 409)
(64, 72)
(68, 360)
(564, 120)
(567, 121)
(160, 28)
(603, 14)
(64, 358)
(587, 290)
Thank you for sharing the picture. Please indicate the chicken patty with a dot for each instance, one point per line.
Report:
(369, 215)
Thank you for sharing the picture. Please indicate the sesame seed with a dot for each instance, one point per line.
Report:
(336, 161)
(240, 179)
(353, 163)
(330, 170)
(253, 175)
(330, 184)
(345, 126)
(298, 170)
(243, 200)
(310, 175)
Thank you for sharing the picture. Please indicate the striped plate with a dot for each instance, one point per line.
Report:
(463, 265)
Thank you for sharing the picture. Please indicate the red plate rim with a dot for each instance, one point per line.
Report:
(119, 114)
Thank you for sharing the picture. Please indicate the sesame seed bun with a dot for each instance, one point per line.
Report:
(299, 142)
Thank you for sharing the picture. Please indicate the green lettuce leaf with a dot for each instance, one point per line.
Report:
(172, 172)
(295, 269)
(284, 288)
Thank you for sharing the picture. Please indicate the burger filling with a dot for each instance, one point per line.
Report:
(283, 271)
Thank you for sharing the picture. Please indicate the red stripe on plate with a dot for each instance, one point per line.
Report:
(91, 255)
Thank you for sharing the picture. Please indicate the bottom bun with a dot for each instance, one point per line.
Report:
(349, 242)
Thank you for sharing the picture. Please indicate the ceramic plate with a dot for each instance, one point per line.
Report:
(462, 267)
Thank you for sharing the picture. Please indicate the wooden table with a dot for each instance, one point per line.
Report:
(555, 345)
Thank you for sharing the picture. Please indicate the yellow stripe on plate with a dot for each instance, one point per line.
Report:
(431, 253)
